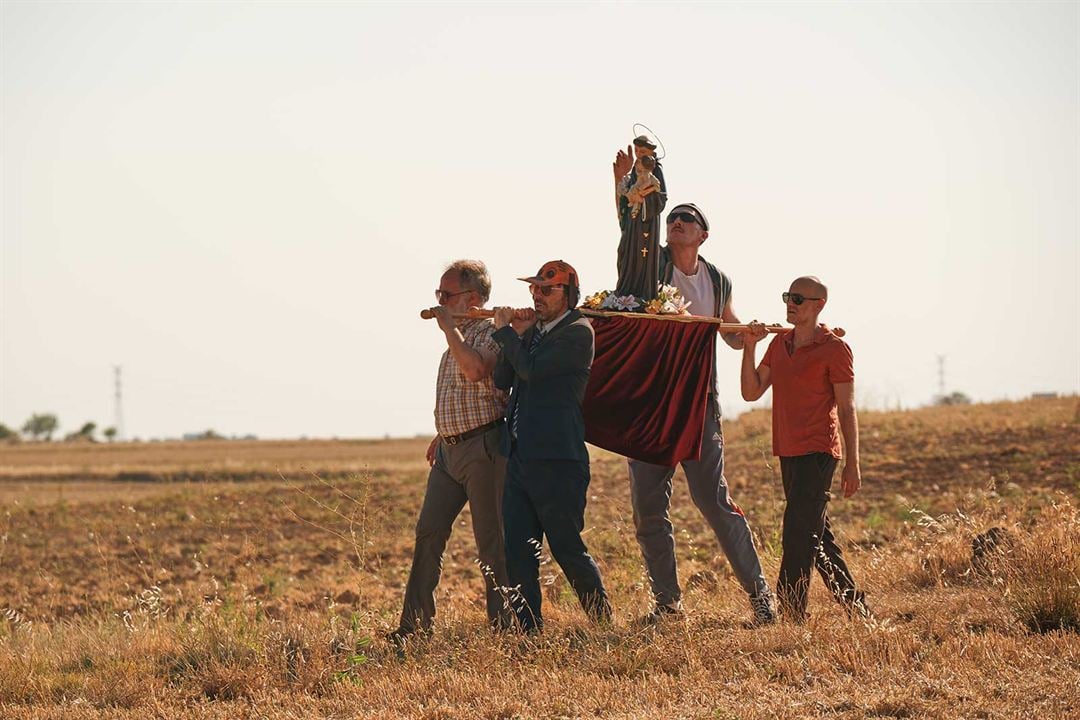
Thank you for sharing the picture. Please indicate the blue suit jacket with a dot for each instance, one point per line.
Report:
(546, 388)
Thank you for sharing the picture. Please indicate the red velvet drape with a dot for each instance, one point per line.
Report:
(648, 386)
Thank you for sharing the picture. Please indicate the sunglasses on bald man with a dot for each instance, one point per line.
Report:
(798, 298)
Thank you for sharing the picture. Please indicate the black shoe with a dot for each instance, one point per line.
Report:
(662, 614)
(600, 612)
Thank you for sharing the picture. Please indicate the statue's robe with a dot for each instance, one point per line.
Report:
(639, 244)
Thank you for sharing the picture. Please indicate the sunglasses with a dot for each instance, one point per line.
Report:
(684, 216)
(797, 298)
(444, 295)
(544, 290)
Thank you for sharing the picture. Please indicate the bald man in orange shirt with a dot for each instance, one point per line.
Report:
(812, 374)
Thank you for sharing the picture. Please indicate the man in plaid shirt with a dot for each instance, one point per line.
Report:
(464, 457)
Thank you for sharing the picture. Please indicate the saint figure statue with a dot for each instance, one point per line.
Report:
(640, 197)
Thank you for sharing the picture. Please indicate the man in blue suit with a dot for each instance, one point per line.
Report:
(545, 360)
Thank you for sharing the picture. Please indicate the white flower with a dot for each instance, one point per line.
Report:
(671, 301)
(626, 302)
(666, 292)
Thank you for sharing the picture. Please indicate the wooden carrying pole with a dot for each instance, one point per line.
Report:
(721, 326)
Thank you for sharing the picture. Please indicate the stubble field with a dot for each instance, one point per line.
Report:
(257, 579)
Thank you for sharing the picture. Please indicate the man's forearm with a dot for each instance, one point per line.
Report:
(468, 358)
(727, 314)
(503, 374)
(750, 380)
(567, 354)
(733, 339)
(849, 429)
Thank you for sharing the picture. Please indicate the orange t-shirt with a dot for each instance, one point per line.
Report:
(804, 418)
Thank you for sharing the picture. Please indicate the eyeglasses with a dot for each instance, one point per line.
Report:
(797, 298)
(444, 295)
(544, 290)
(684, 216)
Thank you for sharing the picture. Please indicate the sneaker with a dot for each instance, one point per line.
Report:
(662, 613)
(764, 607)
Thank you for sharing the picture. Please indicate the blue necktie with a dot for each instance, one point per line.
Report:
(533, 344)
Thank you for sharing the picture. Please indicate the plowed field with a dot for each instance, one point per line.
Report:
(257, 579)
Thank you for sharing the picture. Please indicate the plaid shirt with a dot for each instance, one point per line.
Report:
(461, 405)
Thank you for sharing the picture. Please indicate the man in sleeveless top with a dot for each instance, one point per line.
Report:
(709, 292)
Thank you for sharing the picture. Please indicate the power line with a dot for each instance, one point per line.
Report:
(118, 408)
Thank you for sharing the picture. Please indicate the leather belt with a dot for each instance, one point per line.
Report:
(455, 439)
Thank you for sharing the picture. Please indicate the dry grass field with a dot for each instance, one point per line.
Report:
(257, 579)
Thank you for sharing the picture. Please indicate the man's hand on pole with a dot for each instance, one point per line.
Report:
(445, 318)
(524, 318)
(754, 333)
(503, 317)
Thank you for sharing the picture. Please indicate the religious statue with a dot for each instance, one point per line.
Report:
(640, 197)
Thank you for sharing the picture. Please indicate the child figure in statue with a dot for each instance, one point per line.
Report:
(646, 183)
(640, 196)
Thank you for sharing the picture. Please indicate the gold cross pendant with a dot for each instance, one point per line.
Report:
(644, 251)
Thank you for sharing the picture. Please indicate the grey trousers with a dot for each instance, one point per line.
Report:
(650, 494)
(473, 471)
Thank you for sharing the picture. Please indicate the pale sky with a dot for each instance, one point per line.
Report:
(247, 204)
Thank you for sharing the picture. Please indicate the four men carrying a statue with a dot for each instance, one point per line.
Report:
(522, 463)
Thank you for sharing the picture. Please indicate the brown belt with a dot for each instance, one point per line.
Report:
(455, 439)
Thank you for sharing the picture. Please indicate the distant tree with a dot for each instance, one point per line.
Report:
(109, 433)
(86, 432)
(204, 435)
(41, 424)
(954, 398)
(7, 433)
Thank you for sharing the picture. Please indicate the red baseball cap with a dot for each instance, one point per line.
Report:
(555, 272)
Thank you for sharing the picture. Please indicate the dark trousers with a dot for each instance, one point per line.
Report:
(808, 541)
(547, 497)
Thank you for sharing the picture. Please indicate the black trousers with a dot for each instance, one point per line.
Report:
(808, 541)
(541, 498)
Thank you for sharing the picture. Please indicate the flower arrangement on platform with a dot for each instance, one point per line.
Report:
(596, 300)
(668, 301)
